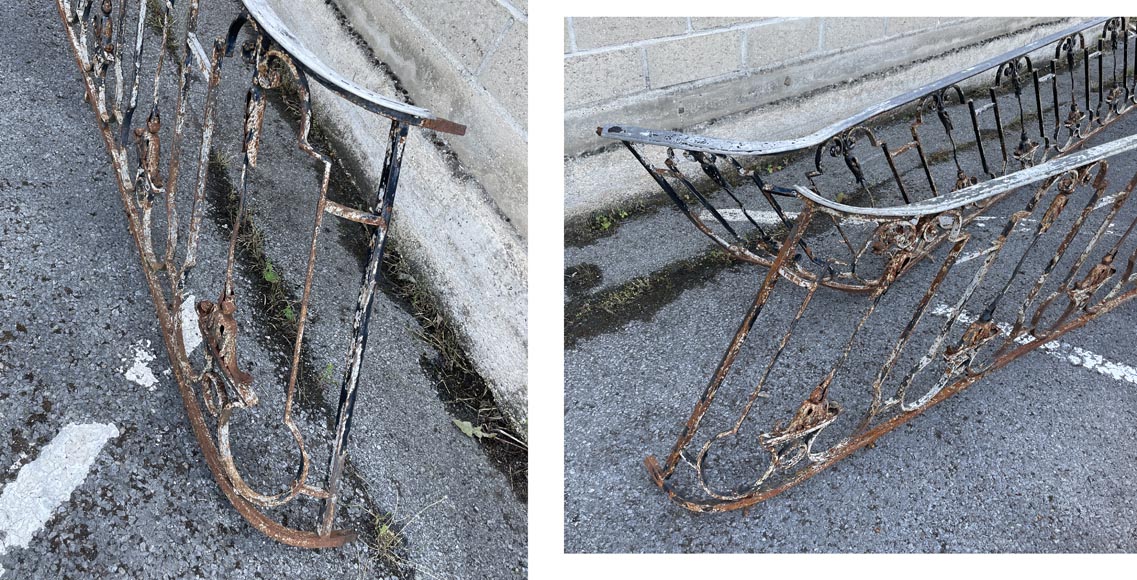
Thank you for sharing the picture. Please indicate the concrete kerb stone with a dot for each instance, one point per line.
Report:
(470, 39)
(446, 225)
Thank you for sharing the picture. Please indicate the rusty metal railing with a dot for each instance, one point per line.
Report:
(111, 41)
(912, 272)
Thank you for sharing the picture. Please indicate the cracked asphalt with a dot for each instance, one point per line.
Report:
(75, 320)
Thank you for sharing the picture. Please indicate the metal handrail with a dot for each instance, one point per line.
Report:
(265, 16)
(980, 192)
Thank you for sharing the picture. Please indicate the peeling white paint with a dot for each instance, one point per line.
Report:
(973, 255)
(765, 217)
(191, 333)
(139, 372)
(30, 501)
(1106, 200)
(1022, 226)
(1074, 355)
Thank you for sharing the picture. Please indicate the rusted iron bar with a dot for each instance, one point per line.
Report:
(921, 321)
(385, 199)
(146, 172)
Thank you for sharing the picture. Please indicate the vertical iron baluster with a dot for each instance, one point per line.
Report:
(385, 198)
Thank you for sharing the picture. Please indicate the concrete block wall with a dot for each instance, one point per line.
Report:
(637, 55)
(747, 78)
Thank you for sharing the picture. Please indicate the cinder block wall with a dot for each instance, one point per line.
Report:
(680, 73)
(466, 60)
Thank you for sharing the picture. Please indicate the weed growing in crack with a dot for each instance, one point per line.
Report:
(250, 242)
(385, 533)
(155, 9)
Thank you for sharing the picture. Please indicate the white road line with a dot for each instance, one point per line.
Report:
(1074, 355)
(43, 485)
(733, 214)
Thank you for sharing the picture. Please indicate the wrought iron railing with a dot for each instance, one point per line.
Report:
(122, 76)
(912, 271)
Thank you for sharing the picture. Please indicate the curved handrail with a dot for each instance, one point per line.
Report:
(266, 17)
(980, 191)
(722, 146)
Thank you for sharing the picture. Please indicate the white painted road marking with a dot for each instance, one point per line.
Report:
(43, 485)
(733, 214)
(1064, 351)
